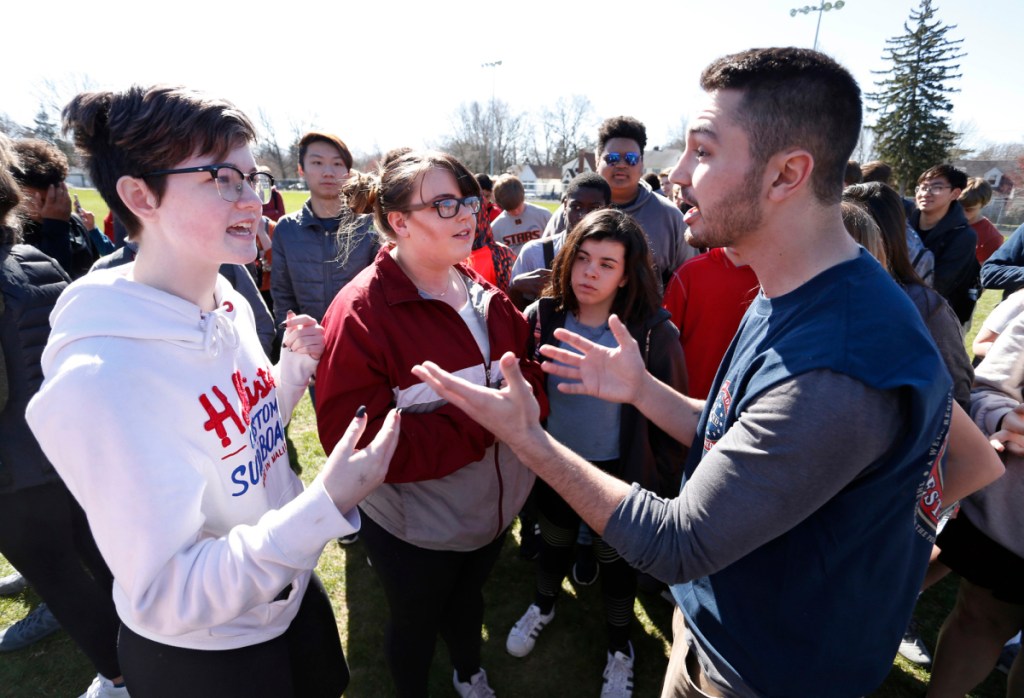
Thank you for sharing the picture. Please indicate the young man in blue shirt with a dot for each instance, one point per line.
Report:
(799, 540)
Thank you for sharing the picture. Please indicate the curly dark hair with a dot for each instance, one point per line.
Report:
(622, 127)
(42, 163)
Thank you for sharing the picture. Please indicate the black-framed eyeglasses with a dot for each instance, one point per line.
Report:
(449, 208)
(229, 179)
(631, 158)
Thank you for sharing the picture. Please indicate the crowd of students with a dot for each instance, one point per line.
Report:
(703, 378)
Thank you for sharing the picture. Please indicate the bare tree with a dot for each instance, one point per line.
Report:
(487, 137)
(269, 150)
(677, 136)
(865, 151)
(10, 127)
(567, 128)
(1000, 151)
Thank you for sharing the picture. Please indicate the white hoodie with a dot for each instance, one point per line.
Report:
(167, 424)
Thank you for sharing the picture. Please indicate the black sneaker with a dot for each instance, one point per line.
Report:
(585, 570)
(349, 539)
(529, 541)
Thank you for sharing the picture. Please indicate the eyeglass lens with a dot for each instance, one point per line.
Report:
(230, 182)
(449, 208)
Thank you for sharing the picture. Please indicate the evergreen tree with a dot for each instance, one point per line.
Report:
(44, 128)
(912, 132)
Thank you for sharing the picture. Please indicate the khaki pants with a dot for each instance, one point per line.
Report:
(684, 678)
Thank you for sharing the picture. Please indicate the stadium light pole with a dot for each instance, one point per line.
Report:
(490, 136)
(820, 9)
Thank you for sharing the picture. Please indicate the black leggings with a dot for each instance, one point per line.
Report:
(306, 661)
(429, 592)
(559, 526)
(45, 535)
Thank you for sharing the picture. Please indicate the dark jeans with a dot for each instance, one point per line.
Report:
(429, 592)
(305, 662)
(45, 535)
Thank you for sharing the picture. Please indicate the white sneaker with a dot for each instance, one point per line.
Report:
(476, 688)
(523, 635)
(618, 675)
(102, 687)
(12, 584)
(912, 647)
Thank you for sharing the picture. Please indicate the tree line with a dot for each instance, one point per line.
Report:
(912, 130)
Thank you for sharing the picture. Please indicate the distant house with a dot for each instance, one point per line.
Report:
(583, 162)
(1004, 176)
(658, 159)
(539, 181)
(78, 178)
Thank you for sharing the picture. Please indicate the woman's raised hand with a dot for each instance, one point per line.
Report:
(349, 474)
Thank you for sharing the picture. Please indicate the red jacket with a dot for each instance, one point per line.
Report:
(377, 329)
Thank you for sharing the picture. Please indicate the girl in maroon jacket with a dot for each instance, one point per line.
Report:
(434, 530)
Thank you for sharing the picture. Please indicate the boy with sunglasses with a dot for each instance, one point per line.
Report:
(620, 160)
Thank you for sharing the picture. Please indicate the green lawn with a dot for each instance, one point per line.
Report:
(92, 201)
(567, 661)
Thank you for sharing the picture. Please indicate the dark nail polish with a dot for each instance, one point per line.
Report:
(361, 412)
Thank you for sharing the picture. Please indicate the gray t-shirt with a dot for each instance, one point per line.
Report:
(587, 425)
(531, 257)
(516, 231)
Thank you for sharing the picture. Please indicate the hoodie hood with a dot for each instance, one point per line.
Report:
(643, 194)
(109, 303)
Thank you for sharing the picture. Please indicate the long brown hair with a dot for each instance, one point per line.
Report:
(640, 297)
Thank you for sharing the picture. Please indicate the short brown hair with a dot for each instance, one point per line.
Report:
(876, 171)
(794, 98)
(853, 173)
(978, 192)
(328, 138)
(509, 192)
(145, 129)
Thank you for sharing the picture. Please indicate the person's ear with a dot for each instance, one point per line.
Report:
(138, 197)
(790, 171)
(399, 223)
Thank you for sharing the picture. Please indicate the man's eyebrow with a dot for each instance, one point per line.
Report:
(704, 129)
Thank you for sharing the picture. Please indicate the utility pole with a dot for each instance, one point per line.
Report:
(490, 134)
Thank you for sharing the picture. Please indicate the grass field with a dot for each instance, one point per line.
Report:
(567, 661)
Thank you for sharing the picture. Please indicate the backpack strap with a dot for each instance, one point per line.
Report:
(549, 252)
